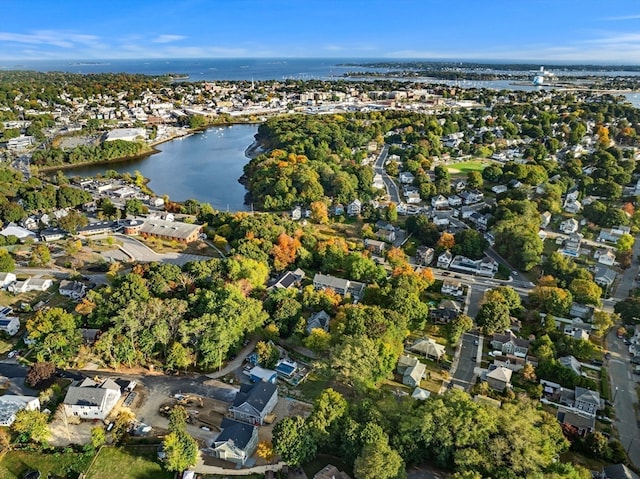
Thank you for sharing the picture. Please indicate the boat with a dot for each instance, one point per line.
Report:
(542, 75)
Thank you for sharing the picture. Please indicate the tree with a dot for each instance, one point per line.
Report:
(31, 426)
(265, 451)
(39, 373)
(446, 241)
(121, 425)
(470, 243)
(585, 291)
(625, 242)
(56, 335)
(474, 180)
(319, 212)
(378, 461)
(268, 354)
(181, 450)
(556, 301)
(318, 340)
(98, 436)
(603, 321)
(7, 264)
(529, 373)
(330, 407)
(457, 327)
(135, 207)
(73, 221)
(493, 317)
(293, 441)
(179, 357)
(40, 256)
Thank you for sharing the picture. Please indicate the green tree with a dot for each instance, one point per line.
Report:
(179, 357)
(98, 436)
(31, 426)
(293, 441)
(40, 255)
(328, 409)
(318, 340)
(625, 242)
(7, 264)
(378, 461)
(180, 448)
(135, 207)
(585, 291)
(457, 327)
(602, 321)
(493, 317)
(57, 337)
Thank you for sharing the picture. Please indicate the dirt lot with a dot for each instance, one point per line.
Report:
(285, 407)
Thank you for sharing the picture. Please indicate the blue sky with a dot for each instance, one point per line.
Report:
(551, 30)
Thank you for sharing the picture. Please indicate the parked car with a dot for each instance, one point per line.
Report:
(12, 354)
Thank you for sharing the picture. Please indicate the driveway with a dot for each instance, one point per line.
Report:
(132, 249)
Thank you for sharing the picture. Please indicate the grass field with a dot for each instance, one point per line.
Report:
(137, 462)
(467, 166)
(63, 465)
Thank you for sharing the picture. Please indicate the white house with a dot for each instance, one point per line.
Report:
(10, 325)
(30, 284)
(406, 177)
(569, 226)
(72, 289)
(545, 219)
(354, 208)
(452, 288)
(498, 189)
(444, 260)
(439, 202)
(7, 279)
(10, 404)
(91, 400)
(608, 258)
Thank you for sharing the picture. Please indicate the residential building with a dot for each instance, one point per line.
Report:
(581, 422)
(331, 472)
(446, 311)
(509, 343)
(7, 279)
(98, 228)
(572, 363)
(454, 200)
(52, 234)
(582, 399)
(569, 226)
(420, 394)
(406, 177)
(236, 443)
(72, 289)
(254, 402)
(319, 320)
(581, 311)
(572, 245)
(296, 213)
(386, 235)
(10, 404)
(375, 246)
(354, 208)
(613, 234)
(482, 267)
(91, 400)
(444, 260)
(439, 201)
(604, 276)
(498, 189)
(30, 284)
(10, 325)
(452, 288)
(258, 374)
(424, 255)
(429, 348)
(286, 369)
(605, 256)
(339, 285)
(289, 279)
(545, 219)
(499, 378)
(578, 330)
(411, 370)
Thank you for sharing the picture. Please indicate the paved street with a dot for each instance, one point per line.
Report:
(138, 251)
(390, 185)
(624, 396)
(463, 373)
(625, 283)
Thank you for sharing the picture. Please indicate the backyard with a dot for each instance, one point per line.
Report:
(133, 462)
(467, 166)
(14, 464)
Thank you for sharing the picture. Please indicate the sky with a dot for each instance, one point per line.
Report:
(511, 30)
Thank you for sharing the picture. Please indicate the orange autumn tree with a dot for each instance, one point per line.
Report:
(446, 241)
(285, 250)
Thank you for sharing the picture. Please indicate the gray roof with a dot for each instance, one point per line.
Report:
(619, 471)
(238, 432)
(85, 396)
(575, 418)
(256, 395)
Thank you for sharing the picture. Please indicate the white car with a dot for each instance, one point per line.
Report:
(12, 354)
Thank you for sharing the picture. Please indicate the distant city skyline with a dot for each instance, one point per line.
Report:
(576, 31)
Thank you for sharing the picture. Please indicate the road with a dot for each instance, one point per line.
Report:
(390, 185)
(625, 398)
(138, 251)
(467, 357)
(625, 283)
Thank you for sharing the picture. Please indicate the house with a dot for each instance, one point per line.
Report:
(446, 311)
(354, 208)
(587, 400)
(258, 374)
(7, 279)
(424, 255)
(72, 289)
(583, 423)
(91, 400)
(383, 225)
(578, 330)
(254, 402)
(411, 370)
(406, 177)
(10, 325)
(236, 443)
(331, 472)
(10, 404)
(545, 219)
(375, 246)
(386, 235)
(439, 201)
(296, 213)
(483, 267)
(286, 369)
(604, 276)
(289, 279)
(581, 311)
(319, 320)
(338, 209)
(339, 285)
(618, 471)
(572, 245)
(420, 394)
(444, 260)
(498, 189)
(572, 363)
(612, 235)
(509, 343)
(452, 288)
(608, 258)
(52, 234)
(30, 284)
(170, 231)
(499, 378)
(569, 226)
(454, 200)
(429, 348)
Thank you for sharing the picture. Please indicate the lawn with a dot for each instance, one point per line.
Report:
(64, 465)
(467, 166)
(134, 462)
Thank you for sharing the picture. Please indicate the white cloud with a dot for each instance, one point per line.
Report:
(623, 17)
(168, 38)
